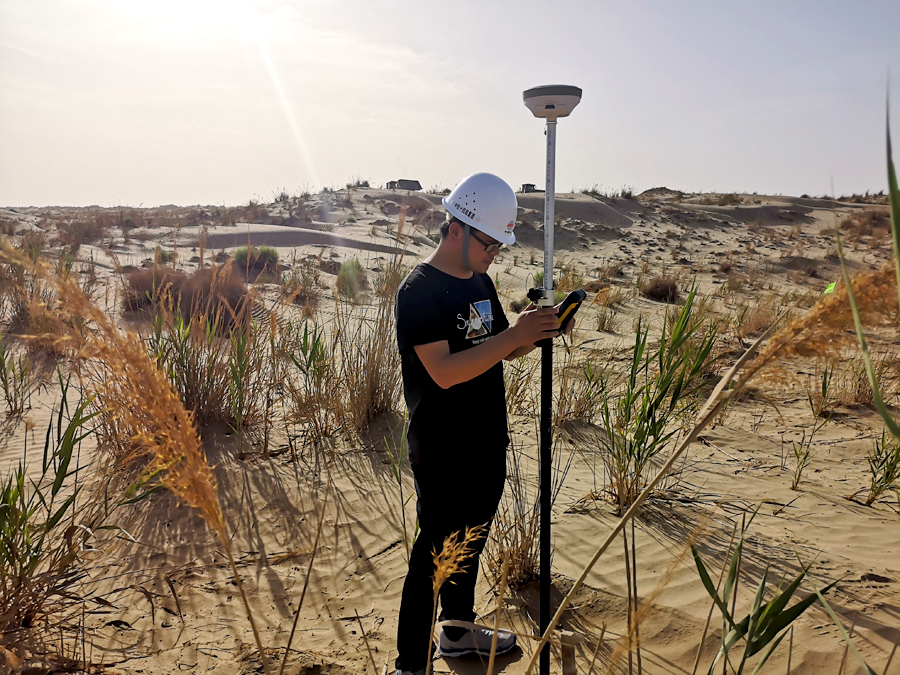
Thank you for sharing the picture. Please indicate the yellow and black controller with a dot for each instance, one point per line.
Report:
(569, 306)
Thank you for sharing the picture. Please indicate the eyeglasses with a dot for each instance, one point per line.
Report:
(489, 247)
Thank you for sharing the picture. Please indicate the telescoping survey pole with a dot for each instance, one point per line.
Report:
(549, 102)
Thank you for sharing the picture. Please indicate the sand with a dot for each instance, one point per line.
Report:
(272, 501)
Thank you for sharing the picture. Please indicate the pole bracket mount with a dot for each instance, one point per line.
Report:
(542, 297)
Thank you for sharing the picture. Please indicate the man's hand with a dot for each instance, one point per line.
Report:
(534, 324)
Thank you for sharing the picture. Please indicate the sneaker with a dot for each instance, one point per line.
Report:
(476, 642)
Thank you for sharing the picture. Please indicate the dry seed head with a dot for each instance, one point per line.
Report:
(455, 551)
(825, 329)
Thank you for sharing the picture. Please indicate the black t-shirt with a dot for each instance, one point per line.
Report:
(458, 424)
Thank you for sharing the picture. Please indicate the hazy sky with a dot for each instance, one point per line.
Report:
(128, 102)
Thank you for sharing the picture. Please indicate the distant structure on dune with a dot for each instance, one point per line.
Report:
(529, 187)
(404, 184)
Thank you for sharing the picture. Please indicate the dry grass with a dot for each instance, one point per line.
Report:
(570, 278)
(368, 362)
(752, 319)
(608, 320)
(822, 331)
(514, 538)
(457, 548)
(519, 378)
(302, 285)
(613, 296)
(851, 386)
(866, 223)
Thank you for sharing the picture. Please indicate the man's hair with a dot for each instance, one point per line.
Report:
(445, 228)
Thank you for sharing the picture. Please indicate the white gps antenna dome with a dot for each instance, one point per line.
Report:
(552, 100)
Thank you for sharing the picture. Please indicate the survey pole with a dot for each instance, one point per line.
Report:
(548, 102)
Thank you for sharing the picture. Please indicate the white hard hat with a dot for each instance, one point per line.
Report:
(487, 203)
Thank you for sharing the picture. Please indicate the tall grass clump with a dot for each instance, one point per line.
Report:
(637, 415)
(17, 379)
(884, 468)
(202, 334)
(514, 540)
(580, 386)
(369, 362)
(220, 373)
(47, 526)
(351, 279)
(314, 389)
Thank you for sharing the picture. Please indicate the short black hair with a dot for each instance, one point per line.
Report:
(445, 228)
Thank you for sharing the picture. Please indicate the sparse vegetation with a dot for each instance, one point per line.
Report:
(210, 356)
(301, 285)
(17, 379)
(819, 402)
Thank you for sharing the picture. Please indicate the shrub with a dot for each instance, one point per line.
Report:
(252, 262)
(865, 224)
(73, 235)
(351, 279)
(209, 290)
(163, 257)
(661, 289)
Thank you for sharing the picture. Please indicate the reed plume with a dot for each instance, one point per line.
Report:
(457, 548)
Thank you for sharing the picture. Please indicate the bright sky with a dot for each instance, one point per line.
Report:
(130, 102)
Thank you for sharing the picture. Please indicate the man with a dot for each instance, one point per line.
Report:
(452, 335)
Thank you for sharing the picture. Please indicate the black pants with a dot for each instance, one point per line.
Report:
(450, 499)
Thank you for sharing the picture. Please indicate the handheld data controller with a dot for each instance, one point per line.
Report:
(567, 309)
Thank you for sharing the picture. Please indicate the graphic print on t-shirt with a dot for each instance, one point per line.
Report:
(479, 321)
